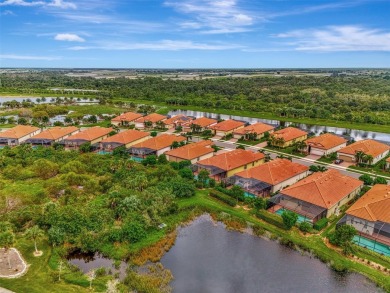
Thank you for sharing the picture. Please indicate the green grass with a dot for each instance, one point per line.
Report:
(7, 125)
(93, 110)
(287, 151)
(375, 170)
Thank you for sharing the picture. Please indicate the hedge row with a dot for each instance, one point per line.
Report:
(320, 224)
(271, 218)
(223, 197)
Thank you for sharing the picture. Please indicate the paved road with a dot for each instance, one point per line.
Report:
(274, 154)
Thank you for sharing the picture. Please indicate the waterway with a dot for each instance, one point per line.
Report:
(211, 259)
(356, 134)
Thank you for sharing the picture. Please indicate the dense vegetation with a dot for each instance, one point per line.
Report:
(352, 99)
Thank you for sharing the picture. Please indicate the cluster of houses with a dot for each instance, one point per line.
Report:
(289, 185)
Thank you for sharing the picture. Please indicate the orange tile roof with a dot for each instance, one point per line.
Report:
(159, 142)
(126, 137)
(204, 121)
(232, 160)
(55, 132)
(90, 134)
(326, 141)
(323, 189)
(374, 205)
(178, 118)
(193, 150)
(275, 171)
(18, 131)
(227, 125)
(153, 117)
(258, 128)
(289, 133)
(128, 117)
(367, 146)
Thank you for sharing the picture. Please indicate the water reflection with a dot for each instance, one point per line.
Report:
(208, 258)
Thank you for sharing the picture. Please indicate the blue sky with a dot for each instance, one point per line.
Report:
(194, 33)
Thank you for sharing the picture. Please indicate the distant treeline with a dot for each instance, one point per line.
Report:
(353, 99)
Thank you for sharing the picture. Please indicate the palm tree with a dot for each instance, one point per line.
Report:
(359, 156)
(368, 159)
(34, 233)
(300, 146)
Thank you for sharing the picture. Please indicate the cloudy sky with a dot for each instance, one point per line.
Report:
(195, 33)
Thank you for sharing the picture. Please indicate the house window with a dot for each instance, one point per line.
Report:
(245, 167)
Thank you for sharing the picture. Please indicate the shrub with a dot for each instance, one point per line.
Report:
(305, 227)
(367, 179)
(222, 197)
(380, 180)
(289, 219)
(270, 218)
(320, 224)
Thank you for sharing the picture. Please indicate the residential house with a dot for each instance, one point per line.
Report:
(193, 152)
(287, 136)
(270, 177)
(227, 164)
(256, 130)
(154, 119)
(319, 195)
(126, 119)
(227, 127)
(368, 147)
(17, 135)
(52, 135)
(125, 138)
(370, 215)
(178, 121)
(325, 144)
(156, 145)
(201, 124)
(92, 135)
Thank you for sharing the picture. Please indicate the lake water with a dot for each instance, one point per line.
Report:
(208, 258)
(317, 129)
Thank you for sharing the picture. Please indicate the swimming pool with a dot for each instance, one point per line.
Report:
(372, 245)
(300, 218)
(104, 153)
(248, 194)
(136, 159)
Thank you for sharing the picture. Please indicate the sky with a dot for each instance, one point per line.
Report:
(195, 33)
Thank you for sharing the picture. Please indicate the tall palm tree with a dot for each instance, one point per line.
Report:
(34, 233)
(368, 159)
(359, 156)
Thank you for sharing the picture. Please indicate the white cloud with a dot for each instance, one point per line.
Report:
(55, 3)
(213, 17)
(28, 57)
(7, 12)
(338, 38)
(68, 38)
(165, 45)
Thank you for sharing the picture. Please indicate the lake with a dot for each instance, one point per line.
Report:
(316, 129)
(208, 258)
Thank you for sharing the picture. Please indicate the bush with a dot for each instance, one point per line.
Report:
(289, 219)
(270, 218)
(320, 224)
(380, 180)
(305, 227)
(367, 179)
(222, 197)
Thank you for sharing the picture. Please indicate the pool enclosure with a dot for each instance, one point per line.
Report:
(214, 172)
(251, 185)
(310, 211)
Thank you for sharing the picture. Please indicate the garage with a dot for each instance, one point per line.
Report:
(346, 158)
(318, 152)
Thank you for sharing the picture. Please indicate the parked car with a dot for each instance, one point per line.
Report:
(338, 161)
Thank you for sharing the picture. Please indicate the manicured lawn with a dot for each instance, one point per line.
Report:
(287, 151)
(93, 110)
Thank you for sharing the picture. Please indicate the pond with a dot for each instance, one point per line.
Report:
(208, 258)
(92, 261)
(316, 129)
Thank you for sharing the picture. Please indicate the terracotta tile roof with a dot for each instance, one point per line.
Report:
(90, 134)
(55, 132)
(289, 133)
(18, 131)
(367, 146)
(126, 137)
(227, 125)
(323, 189)
(128, 117)
(374, 205)
(326, 141)
(193, 150)
(258, 128)
(153, 117)
(204, 121)
(232, 160)
(275, 171)
(178, 119)
(159, 142)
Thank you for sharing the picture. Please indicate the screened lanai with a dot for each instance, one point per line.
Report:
(40, 141)
(215, 172)
(251, 185)
(141, 152)
(109, 146)
(308, 210)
